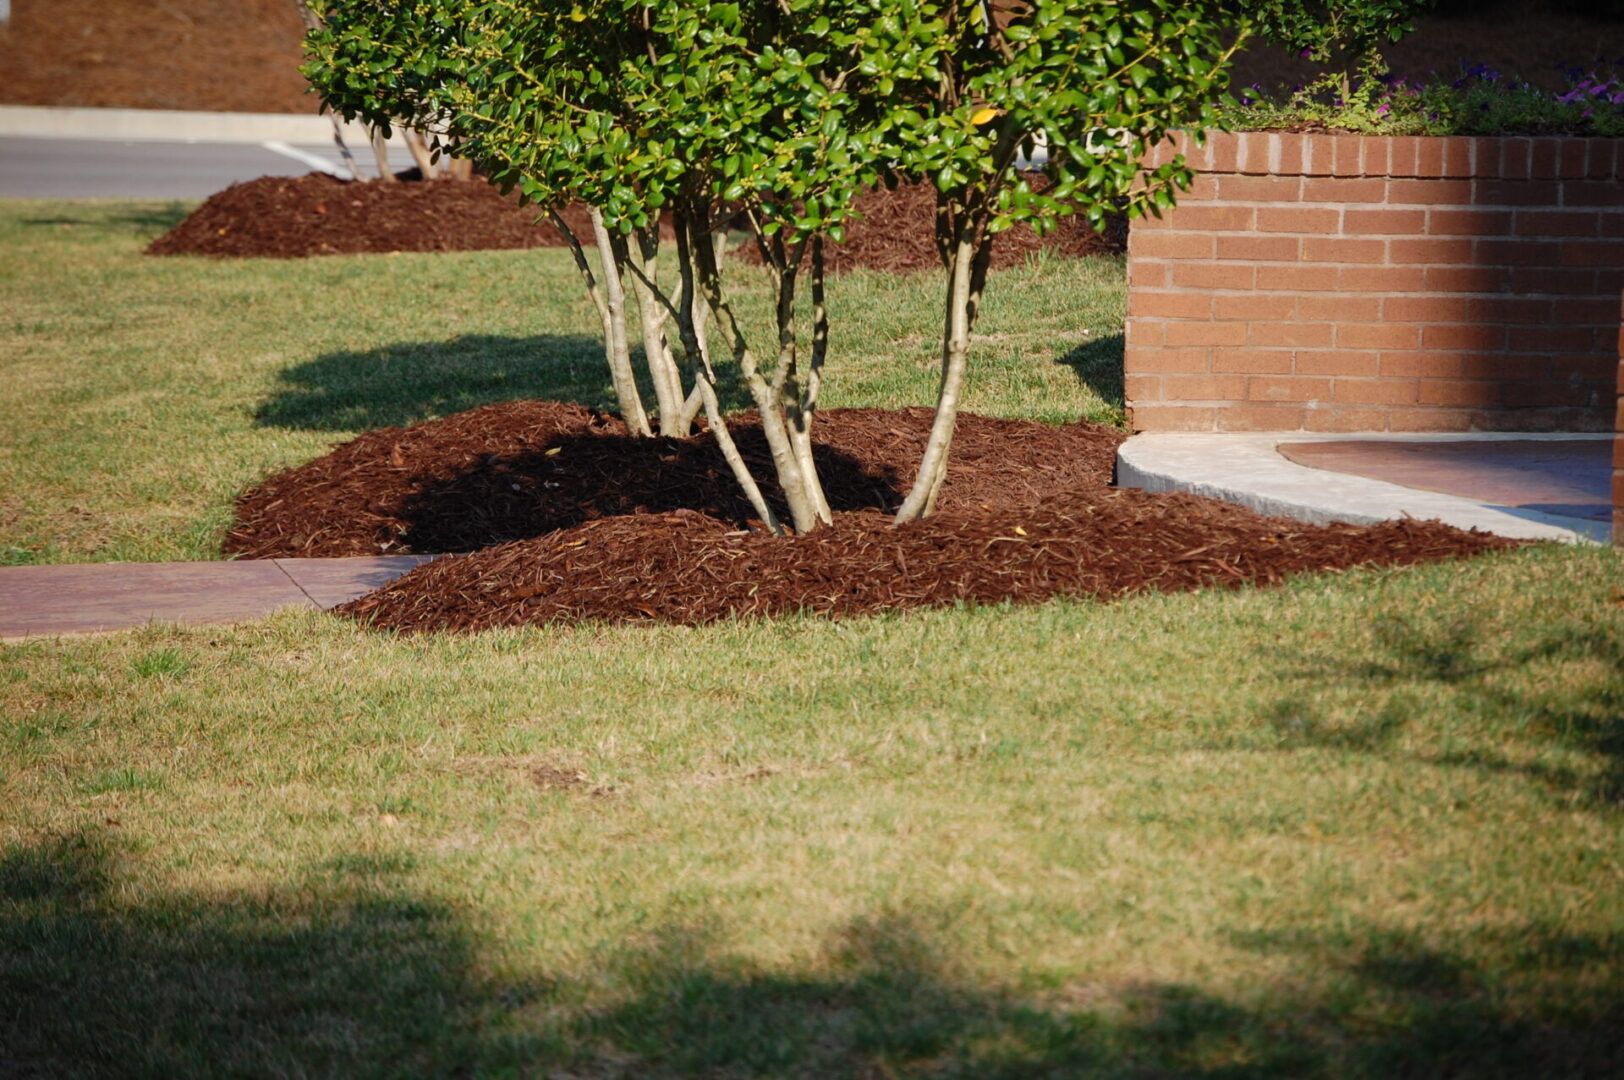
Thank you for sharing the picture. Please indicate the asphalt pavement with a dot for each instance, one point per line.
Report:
(58, 168)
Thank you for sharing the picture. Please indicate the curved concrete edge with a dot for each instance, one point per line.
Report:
(1247, 469)
(164, 125)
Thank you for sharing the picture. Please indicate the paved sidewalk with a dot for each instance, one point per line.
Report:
(1530, 486)
(39, 601)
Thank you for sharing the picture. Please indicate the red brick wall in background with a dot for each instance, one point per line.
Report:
(1349, 283)
(1618, 450)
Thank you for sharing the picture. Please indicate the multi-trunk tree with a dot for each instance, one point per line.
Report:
(691, 115)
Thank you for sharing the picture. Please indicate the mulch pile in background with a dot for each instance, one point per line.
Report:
(566, 518)
(317, 214)
(897, 233)
(287, 217)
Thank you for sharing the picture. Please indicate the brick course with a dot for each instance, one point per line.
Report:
(1344, 282)
(1618, 448)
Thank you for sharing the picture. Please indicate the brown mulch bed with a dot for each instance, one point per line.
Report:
(241, 56)
(283, 217)
(520, 469)
(566, 518)
(685, 567)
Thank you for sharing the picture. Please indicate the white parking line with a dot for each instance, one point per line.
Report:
(315, 161)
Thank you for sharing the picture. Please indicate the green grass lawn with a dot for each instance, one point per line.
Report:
(143, 393)
(1366, 825)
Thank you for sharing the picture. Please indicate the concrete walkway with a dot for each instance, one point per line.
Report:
(1537, 487)
(41, 601)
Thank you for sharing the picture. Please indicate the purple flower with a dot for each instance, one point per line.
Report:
(1382, 111)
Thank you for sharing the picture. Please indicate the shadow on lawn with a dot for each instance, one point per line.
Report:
(150, 220)
(350, 974)
(403, 384)
(406, 383)
(1098, 364)
(1586, 713)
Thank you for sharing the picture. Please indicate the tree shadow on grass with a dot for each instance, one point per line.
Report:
(1098, 364)
(1584, 714)
(350, 973)
(148, 220)
(409, 382)
(341, 978)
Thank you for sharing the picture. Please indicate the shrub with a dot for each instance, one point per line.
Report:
(1478, 101)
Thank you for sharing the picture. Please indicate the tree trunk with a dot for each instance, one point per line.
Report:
(380, 155)
(691, 325)
(786, 465)
(962, 297)
(613, 314)
(662, 366)
(595, 294)
(801, 402)
(420, 153)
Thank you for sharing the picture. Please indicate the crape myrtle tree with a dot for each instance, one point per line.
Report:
(775, 113)
(310, 13)
(392, 64)
(700, 113)
(1095, 82)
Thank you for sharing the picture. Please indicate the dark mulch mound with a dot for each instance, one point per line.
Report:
(685, 567)
(284, 217)
(521, 469)
(897, 233)
(567, 518)
(292, 217)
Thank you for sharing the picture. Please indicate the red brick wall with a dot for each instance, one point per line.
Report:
(1618, 449)
(1348, 283)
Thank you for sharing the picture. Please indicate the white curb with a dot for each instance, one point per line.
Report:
(163, 125)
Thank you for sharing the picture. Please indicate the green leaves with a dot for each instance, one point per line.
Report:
(1323, 30)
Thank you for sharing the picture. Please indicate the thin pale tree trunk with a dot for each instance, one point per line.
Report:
(691, 325)
(802, 508)
(662, 366)
(595, 294)
(613, 313)
(960, 315)
(380, 155)
(420, 153)
(806, 407)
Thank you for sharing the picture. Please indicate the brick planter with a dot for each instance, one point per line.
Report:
(1348, 283)
(1618, 452)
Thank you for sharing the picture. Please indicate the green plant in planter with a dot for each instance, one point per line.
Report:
(1347, 35)
(1478, 101)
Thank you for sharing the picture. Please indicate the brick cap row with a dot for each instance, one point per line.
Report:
(1286, 153)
